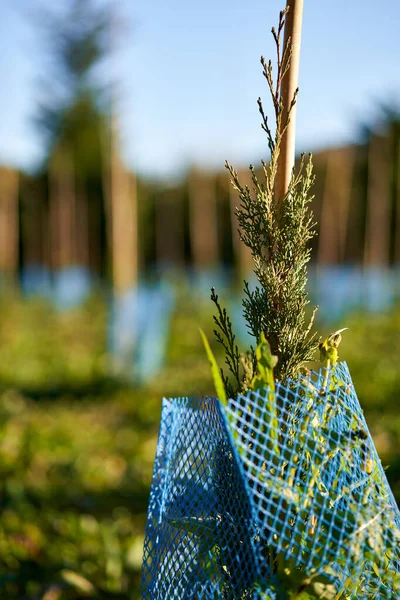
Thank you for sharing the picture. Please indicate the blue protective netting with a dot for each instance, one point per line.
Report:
(269, 499)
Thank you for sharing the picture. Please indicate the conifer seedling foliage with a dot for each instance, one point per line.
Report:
(277, 231)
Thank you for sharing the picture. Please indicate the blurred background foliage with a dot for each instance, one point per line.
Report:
(77, 446)
(105, 276)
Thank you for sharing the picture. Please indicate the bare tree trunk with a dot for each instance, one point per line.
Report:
(203, 220)
(9, 224)
(377, 239)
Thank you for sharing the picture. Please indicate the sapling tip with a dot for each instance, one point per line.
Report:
(328, 347)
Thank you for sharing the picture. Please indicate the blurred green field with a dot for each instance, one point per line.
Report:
(77, 446)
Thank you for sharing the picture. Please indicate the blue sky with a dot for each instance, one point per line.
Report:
(190, 78)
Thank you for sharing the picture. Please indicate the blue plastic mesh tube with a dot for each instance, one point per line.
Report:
(271, 500)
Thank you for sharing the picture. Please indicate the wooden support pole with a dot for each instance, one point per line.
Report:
(293, 26)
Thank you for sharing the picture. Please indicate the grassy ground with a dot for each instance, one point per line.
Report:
(77, 447)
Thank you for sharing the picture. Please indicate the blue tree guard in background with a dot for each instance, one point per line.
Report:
(264, 499)
(36, 281)
(139, 330)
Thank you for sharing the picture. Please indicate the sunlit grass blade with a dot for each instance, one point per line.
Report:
(215, 372)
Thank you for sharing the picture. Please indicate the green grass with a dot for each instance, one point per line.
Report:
(77, 447)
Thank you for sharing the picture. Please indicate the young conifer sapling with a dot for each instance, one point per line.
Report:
(277, 230)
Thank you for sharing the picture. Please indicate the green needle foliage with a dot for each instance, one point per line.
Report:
(277, 231)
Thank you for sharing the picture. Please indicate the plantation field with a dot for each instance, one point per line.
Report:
(77, 446)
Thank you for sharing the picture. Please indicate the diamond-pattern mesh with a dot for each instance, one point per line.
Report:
(278, 494)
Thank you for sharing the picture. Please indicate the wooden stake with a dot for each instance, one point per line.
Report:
(293, 25)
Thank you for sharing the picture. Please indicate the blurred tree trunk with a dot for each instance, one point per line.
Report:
(345, 192)
(242, 254)
(377, 239)
(82, 225)
(170, 249)
(62, 197)
(95, 232)
(203, 220)
(121, 214)
(106, 142)
(119, 186)
(336, 198)
(397, 206)
(34, 223)
(328, 250)
(9, 224)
